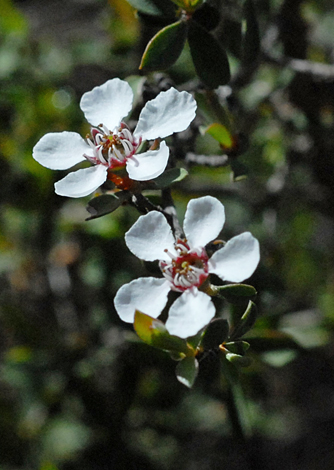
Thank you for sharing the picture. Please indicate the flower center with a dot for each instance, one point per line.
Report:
(188, 269)
(111, 149)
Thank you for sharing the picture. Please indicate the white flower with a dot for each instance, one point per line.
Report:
(185, 265)
(110, 143)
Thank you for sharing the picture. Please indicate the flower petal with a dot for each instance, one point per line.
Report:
(237, 260)
(190, 313)
(148, 165)
(171, 111)
(203, 220)
(60, 150)
(150, 236)
(82, 182)
(107, 104)
(147, 294)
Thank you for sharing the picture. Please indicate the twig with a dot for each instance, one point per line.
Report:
(207, 160)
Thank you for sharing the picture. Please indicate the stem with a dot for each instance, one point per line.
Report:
(234, 415)
(236, 403)
(170, 212)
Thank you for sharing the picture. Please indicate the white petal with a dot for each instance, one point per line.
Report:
(190, 313)
(237, 260)
(60, 150)
(203, 221)
(107, 104)
(147, 294)
(82, 182)
(150, 236)
(171, 111)
(148, 165)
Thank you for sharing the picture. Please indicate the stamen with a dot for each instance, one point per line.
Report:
(127, 134)
(100, 156)
(117, 154)
(128, 148)
(98, 139)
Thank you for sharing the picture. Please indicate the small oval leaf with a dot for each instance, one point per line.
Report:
(210, 59)
(153, 332)
(242, 361)
(235, 293)
(207, 16)
(102, 205)
(237, 347)
(186, 371)
(246, 321)
(169, 177)
(215, 334)
(165, 47)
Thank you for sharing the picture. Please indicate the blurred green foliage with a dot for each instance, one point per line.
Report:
(78, 390)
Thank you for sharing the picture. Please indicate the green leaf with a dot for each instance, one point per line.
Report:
(169, 177)
(165, 47)
(238, 360)
(207, 16)
(246, 321)
(215, 334)
(102, 205)
(231, 35)
(154, 7)
(186, 371)
(237, 347)
(153, 332)
(221, 134)
(210, 59)
(251, 40)
(236, 294)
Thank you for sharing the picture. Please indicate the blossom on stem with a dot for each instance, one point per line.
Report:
(185, 266)
(111, 144)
